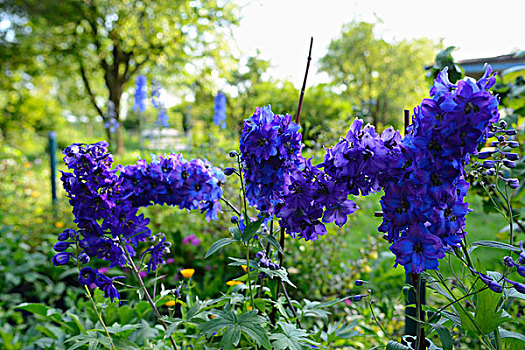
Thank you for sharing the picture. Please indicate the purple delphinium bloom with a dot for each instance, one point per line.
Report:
(418, 250)
(141, 94)
(270, 147)
(426, 186)
(106, 202)
(219, 109)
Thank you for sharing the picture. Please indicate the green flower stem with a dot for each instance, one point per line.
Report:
(99, 317)
(420, 334)
(479, 333)
(148, 296)
(248, 272)
(243, 190)
(497, 339)
(231, 206)
(369, 302)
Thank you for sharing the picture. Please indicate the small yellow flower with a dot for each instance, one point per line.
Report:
(59, 224)
(233, 283)
(187, 273)
(35, 194)
(249, 308)
(27, 165)
(170, 303)
(373, 255)
(212, 316)
(245, 268)
(367, 269)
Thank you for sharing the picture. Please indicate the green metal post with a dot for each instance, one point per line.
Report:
(52, 138)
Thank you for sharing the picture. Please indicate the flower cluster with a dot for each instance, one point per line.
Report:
(158, 103)
(499, 155)
(423, 206)
(312, 197)
(105, 204)
(141, 94)
(520, 269)
(172, 180)
(219, 108)
(358, 161)
(270, 149)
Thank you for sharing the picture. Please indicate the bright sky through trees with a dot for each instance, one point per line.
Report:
(281, 29)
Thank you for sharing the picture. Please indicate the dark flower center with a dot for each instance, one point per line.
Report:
(436, 181)
(418, 248)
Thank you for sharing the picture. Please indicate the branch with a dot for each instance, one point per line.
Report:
(88, 89)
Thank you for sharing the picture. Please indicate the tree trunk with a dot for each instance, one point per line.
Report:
(116, 87)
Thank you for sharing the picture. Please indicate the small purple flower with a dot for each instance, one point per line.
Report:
(418, 250)
(87, 276)
(191, 239)
(105, 284)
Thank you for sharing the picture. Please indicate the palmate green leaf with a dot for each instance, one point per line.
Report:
(248, 324)
(291, 338)
(487, 316)
(221, 243)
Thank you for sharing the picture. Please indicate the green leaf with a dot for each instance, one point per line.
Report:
(248, 324)
(444, 335)
(496, 245)
(236, 233)
(251, 230)
(35, 308)
(487, 316)
(221, 243)
(273, 242)
(508, 334)
(172, 327)
(292, 338)
(394, 345)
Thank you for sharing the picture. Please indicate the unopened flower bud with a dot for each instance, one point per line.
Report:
(521, 270)
(83, 258)
(511, 156)
(234, 219)
(488, 164)
(501, 138)
(507, 261)
(359, 283)
(61, 246)
(260, 254)
(511, 132)
(513, 144)
(484, 155)
(358, 297)
(228, 171)
(513, 183)
(494, 143)
(233, 154)
(509, 163)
